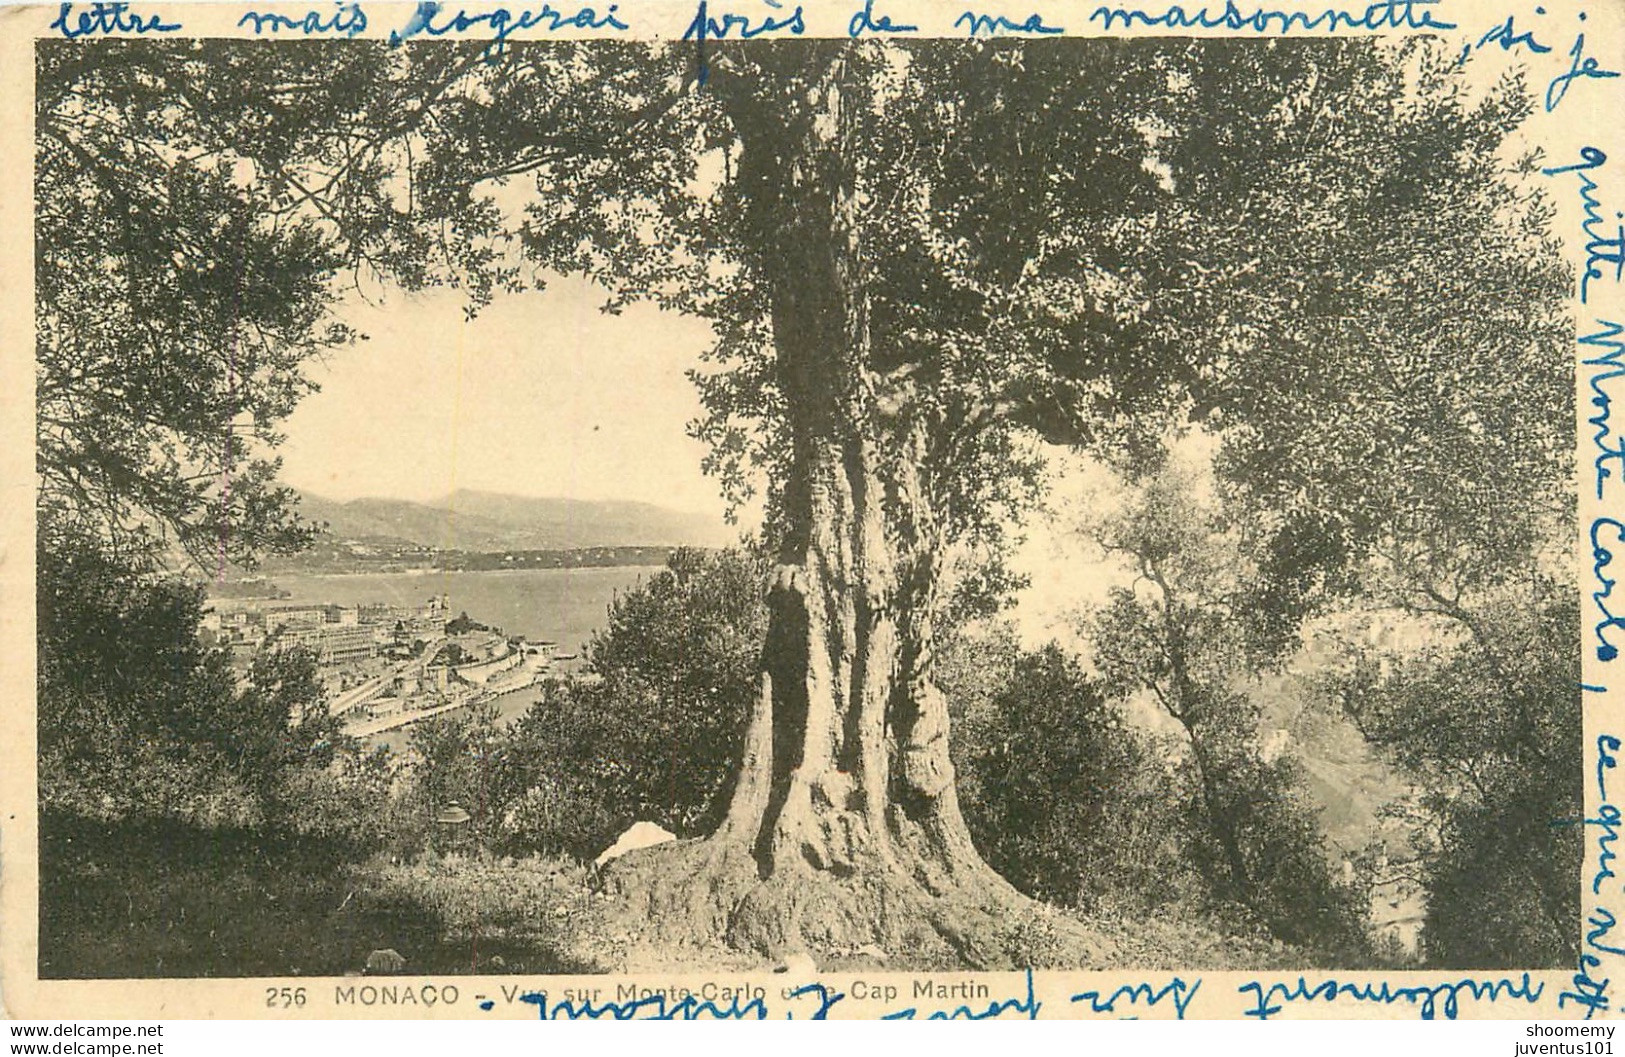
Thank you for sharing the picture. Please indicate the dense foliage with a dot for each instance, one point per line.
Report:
(1066, 799)
(1187, 633)
(1500, 811)
(137, 718)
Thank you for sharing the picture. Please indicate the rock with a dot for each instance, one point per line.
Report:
(798, 965)
(388, 960)
(638, 835)
(870, 950)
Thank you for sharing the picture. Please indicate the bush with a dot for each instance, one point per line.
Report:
(1074, 806)
(1254, 833)
(657, 737)
(1063, 798)
(347, 804)
(555, 819)
(138, 719)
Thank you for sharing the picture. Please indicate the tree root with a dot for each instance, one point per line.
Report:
(704, 905)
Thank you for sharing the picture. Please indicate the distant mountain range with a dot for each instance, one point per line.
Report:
(470, 520)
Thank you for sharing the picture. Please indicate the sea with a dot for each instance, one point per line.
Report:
(559, 605)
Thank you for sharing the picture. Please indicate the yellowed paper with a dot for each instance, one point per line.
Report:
(798, 183)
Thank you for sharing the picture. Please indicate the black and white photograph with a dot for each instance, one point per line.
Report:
(752, 502)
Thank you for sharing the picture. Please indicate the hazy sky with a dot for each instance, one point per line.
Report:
(540, 395)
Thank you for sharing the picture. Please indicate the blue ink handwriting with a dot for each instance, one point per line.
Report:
(1613, 364)
(106, 19)
(826, 999)
(992, 25)
(1607, 820)
(1601, 558)
(1608, 817)
(1602, 922)
(1598, 248)
(502, 22)
(866, 21)
(1589, 990)
(1181, 992)
(348, 21)
(1386, 14)
(705, 27)
(1581, 67)
(1426, 997)
(1607, 745)
(654, 1006)
(1509, 38)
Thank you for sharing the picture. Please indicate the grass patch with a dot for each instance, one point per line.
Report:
(168, 899)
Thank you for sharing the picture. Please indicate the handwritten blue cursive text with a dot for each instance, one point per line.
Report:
(1506, 34)
(430, 19)
(1599, 249)
(864, 20)
(1610, 365)
(1589, 990)
(107, 19)
(1582, 67)
(705, 27)
(1430, 999)
(1177, 989)
(1386, 14)
(994, 25)
(348, 20)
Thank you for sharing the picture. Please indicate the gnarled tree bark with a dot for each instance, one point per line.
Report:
(844, 828)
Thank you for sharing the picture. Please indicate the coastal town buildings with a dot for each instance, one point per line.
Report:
(384, 665)
(335, 633)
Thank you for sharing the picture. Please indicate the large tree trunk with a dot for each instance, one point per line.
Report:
(844, 829)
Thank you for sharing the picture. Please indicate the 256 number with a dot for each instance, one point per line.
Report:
(284, 997)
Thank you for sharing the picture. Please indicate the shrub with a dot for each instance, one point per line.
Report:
(554, 818)
(137, 718)
(658, 735)
(1063, 798)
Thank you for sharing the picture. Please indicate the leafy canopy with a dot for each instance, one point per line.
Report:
(1074, 240)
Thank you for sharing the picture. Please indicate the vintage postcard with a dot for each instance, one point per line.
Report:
(850, 509)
